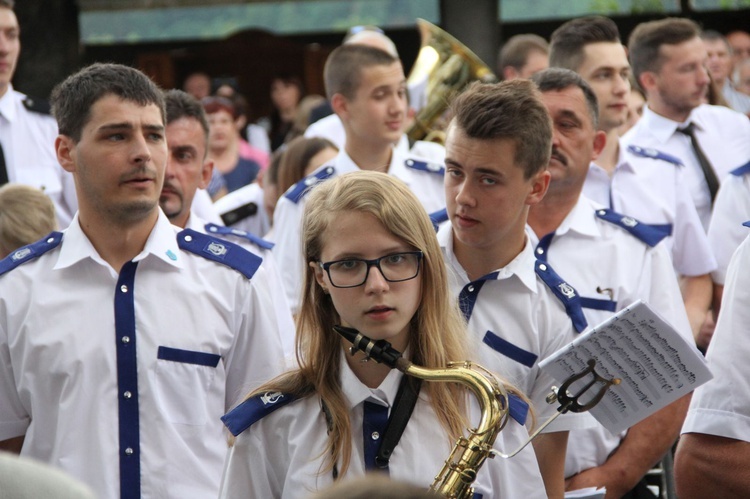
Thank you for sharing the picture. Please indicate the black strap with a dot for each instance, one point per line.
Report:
(708, 170)
(403, 407)
(3, 169)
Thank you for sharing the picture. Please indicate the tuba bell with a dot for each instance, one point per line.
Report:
(443, 68)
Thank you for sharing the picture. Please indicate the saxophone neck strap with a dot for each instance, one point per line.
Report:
(403, 407)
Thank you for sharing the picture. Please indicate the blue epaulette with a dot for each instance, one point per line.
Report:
(298, 190)
(425, 166)
(439, 217)
(40, 106)
(517, 408)
(643, 232)
(220, 251)
(647, 152)
(566, 293)
(746, 224)
(30, 252)
(253, 410)
(738, 172)
(228, 231)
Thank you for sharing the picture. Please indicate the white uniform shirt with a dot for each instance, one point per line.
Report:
(156, 355)
(426, 185)
(731, 210)
(28, 140)
(204, 207)
(722, 134)
(257, 224)
(519, 322)
(599, 258)
(280, 455)
(654, 192)
(722, 406)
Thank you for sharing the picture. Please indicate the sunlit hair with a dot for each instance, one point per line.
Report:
(183, 105)
(26, 215)
(343, 69)
(438, 331)
(568, 42)
(647, 38)
(73, 99)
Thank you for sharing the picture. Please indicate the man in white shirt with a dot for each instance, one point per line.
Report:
(612, 261)
(643, 184)
(124, 339)
(367, 89)
(27, 132)
(719, 65)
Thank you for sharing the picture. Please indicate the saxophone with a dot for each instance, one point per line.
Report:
(469, 453)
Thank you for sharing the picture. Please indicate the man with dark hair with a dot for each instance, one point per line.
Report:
(719, 65)
(125, 339)
(27, 132)
(598, 252)
(522, 56)
(367, 89)
(497, 150)
(639, 182)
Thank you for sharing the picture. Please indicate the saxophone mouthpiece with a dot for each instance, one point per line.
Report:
(379, 351)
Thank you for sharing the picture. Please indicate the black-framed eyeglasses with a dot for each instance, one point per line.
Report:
(353, 272)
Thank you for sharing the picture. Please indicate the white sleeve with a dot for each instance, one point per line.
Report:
(726, 232)
(691, 252)
(247, 471)
(288, 249)
(14, 419)
(722, 406)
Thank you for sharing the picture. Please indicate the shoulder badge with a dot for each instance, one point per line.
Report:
(220, 251)
(566, 293)
(439, 217)
(253, 410)
(738, 172)
(643, 232)
(425, 166)
(34, 105)
(240, 213)
(30, 252)
(647, 152)
(228, 231)
(298, 190)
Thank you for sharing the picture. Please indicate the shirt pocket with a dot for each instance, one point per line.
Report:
(183, 381)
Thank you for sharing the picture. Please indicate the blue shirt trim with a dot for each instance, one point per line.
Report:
(513, 352)
(30, 252)
(518, 409)
(301, 188)
(220, 251)
(439, 217)
(374, 421)
(253, 410)
(425, 166)
(738, 172)
(127, 384)
(597, 304)
(647, 152)
(564, 292)
(188, 356)
(643, 232)
(467, 298)
(228, 231)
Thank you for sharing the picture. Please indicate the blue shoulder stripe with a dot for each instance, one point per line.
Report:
(220, 251)
(643, 232)
(253, 410)
(228, 231)
(439, 217)
(513, 352)
(738, 172)
(425, 166)
(518, 409)
(301, 188)
(646, 152)
(746, 224)
(30, 252)
(564, 292)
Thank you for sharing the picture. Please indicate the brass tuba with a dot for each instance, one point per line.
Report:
(443, 68)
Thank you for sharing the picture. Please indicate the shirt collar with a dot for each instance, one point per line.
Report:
(345, 164)
(8, 105)
(356, 392)
(662, 128)
(580, 219)
(161, 243)
(522, 266)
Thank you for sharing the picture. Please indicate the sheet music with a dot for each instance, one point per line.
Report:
(655, 364)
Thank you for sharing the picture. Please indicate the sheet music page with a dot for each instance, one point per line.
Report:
(655, 364)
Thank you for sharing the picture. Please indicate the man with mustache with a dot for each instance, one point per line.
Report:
(124, 339)
(641, 182)
(611, 260)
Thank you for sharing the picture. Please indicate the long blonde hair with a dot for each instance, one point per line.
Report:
(438, 331)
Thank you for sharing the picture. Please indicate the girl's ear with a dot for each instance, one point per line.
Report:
(319, 276)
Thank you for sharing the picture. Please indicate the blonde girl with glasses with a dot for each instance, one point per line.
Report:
(374, 264)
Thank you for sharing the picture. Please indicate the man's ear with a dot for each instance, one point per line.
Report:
(340, 105)
(647, 81)
(539, 185)
(510, 73)
(600, 140)
(65, 147)
(206, 171)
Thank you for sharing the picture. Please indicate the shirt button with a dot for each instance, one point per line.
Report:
(124, 288)
(375, 435)
(127, 395)
(51, 240)
(129, 451)
(542, 267)
(471, 288)
(602, 212)
(188, 238)
(539, 251)
(125, 339)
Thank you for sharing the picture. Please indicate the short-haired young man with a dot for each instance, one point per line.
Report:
(497, 150)
(125, 339)
(367, 89)
(637, 182)
(612, 261)
(522, 56)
